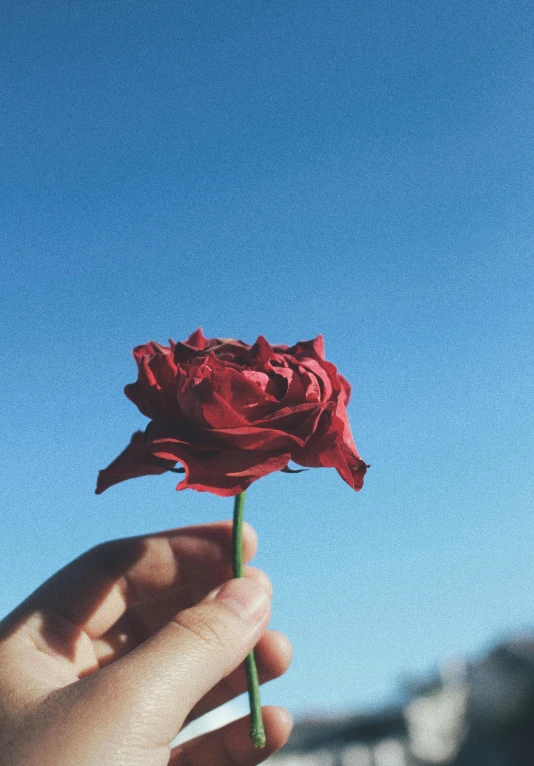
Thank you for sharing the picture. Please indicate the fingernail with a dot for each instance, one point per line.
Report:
(245, 597)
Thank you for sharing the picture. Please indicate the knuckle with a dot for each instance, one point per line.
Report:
(204, 630)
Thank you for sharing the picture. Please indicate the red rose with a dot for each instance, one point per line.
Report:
(232, 413)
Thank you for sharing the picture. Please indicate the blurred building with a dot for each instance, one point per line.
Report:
(471, 714)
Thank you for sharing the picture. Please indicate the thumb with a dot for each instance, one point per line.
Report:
(161, 680)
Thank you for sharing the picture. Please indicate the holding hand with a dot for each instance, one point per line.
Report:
(105, 663)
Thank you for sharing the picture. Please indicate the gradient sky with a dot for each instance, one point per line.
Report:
(360, 170)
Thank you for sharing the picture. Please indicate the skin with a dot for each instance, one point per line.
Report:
(106, 662)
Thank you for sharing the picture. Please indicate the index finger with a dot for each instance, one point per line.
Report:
(96, 589)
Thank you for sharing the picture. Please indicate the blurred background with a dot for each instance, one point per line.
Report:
(360, 170)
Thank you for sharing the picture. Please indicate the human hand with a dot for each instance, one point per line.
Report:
(105, 662)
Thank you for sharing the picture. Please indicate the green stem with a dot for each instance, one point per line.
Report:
(257, 731)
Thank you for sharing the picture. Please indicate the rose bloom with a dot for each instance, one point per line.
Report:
(231, 413)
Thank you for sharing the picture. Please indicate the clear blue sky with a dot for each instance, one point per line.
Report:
(360, 170)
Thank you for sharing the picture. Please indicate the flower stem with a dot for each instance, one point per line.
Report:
(257, 731)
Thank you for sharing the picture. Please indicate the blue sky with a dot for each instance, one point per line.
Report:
(360, 170)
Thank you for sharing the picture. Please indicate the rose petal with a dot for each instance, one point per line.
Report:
(197, 340)
(262, 439)
(332, 446)
(261, 351)
(135, 460)
(154, 390)
(314, 349)
(346, 389)
(228, 472)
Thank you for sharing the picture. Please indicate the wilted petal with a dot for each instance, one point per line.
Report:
(332, 446)
(197, 340)
(261, 351)
(135, 460)
(228, 472)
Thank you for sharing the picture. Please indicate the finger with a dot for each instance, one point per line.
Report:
(143, 620)
(273, 656)
(95, 590)
(232, 746)
(170, 672)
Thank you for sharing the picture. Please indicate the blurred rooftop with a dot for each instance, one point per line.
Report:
(478, 713)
